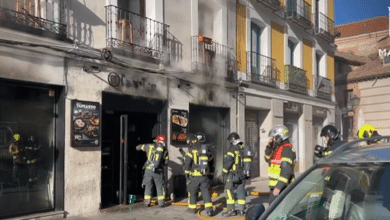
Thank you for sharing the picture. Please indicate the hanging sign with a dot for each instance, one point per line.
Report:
(85, 124)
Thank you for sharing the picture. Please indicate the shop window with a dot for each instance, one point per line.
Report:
(27, 126)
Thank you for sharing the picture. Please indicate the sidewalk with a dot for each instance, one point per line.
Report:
(138, 211)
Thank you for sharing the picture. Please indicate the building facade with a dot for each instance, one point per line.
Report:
(84, 82)
(362, 73)
(285, 57)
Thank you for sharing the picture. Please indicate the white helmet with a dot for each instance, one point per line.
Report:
(280, 132)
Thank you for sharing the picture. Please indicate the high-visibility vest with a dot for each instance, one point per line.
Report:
(274, 165)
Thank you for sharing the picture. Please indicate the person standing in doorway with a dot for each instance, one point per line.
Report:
(154, 171)
(280, 156)
(236, 168)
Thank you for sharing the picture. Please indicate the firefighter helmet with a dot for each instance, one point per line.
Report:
(232, 137)
(191, 139)
(331, 131)
(160, 138)
(16, 137)
(367, 131)
(280, 133)
(201, 137)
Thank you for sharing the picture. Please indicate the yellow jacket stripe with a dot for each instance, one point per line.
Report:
(230, 153)
(203, 157)
(189, 154)
(247, 160)
(286, 159)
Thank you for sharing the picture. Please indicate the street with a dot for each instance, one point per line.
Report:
(178, 209)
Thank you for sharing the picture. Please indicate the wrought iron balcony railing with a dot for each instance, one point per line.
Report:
(295, 79)
(141, 35)
(323, 87)
(273, 4)
(25, 17)
(324, 27)
(299, 11)
(261, 69)
(211, 57)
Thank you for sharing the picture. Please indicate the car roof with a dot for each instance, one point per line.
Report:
(359, 152)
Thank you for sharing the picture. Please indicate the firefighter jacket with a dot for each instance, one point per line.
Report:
(193, 160)
(281, 161)
(156, 155)
(321, 152)
(15, 149)
(238, 160)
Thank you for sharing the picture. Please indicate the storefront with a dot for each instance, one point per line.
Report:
(126, 122)
(31, 148)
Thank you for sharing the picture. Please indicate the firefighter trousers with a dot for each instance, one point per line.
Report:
(235, 193)
(158, 178)
(196, 184)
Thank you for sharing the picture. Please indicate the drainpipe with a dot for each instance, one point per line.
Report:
(237, 112)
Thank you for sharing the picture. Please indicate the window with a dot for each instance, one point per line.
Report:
(339, 192)
(256, 48)
(49, 9)
(27, 127)
(291, 48)
(348, 98)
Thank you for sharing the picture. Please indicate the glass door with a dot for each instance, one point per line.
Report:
(123, 159)
(255, 49)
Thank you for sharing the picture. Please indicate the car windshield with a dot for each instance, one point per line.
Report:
(349, 191)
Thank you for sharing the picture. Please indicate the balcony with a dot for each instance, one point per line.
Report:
(324, 27)
(140, 35)
(27, 17)
(295, 79)
(299, 11)
(272, 4)
(323, 87)
(261, 69)
(211, 57)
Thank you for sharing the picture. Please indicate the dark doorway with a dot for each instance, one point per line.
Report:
(123, 128)
(214, 123)
(252, 138)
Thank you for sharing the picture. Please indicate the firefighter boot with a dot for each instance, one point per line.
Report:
(241, 213)
(210, 213)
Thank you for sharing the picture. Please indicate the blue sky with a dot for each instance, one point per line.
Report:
(347, 11)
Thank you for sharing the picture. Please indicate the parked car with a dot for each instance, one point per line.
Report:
(353, 183)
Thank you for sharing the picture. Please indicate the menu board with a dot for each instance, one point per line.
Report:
(179, 127)
(85, 124)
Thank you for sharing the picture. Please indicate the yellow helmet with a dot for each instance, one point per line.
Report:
(366, 131)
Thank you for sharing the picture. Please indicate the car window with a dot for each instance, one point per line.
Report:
(339, 192)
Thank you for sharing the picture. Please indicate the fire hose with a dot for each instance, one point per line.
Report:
(153, 202)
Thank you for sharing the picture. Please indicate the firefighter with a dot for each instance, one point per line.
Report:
(154, 171)
(332, 140)
(196, 168)
(280, 155)
(236, 170)
(16, 150)
(367, 131)
(32, 152)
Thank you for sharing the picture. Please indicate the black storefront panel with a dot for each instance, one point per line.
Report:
(27, 149)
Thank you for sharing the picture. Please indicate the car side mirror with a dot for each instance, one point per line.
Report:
(254, 212)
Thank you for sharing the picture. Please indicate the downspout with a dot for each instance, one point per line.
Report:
(237, 112)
